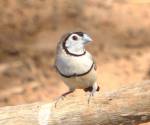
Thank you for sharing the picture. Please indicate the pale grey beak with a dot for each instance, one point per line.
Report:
(86, 38)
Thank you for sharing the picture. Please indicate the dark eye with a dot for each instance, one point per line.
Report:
(74, 37)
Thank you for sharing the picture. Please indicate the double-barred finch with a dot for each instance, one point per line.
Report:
(75, 65)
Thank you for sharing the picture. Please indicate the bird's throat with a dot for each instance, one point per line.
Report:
(76, 50)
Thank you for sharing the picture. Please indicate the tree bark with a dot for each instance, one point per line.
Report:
(127, 106)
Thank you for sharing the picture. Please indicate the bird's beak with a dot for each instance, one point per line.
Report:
(86, 38)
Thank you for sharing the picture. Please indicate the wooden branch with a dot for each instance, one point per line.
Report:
(128, 106)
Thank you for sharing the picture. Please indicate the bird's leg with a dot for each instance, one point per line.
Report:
(91, 94)
(62, 96)
(95, 88)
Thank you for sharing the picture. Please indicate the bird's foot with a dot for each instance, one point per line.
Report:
(90, 95)
(62, 96)
(92, 91)
(58, 99)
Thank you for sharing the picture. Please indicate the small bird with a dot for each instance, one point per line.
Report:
(75, 64)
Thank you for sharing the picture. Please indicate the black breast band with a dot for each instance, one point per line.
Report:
(75, 74)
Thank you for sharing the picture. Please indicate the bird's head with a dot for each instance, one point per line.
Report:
(75, 41)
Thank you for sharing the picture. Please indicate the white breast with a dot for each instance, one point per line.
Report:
(69, 65)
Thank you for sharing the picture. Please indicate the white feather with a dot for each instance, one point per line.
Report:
(69, 65)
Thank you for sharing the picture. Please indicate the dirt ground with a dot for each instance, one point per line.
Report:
(121, 46)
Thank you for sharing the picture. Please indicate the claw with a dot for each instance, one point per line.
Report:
(57, 100)
(91, 94)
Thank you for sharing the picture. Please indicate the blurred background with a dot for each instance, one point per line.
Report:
(30, 30)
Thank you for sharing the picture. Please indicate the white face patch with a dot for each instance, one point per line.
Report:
(75, 44)
(73, 40)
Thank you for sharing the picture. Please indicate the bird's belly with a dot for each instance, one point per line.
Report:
(81, 82)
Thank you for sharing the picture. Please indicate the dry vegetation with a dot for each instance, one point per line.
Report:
(30, 30)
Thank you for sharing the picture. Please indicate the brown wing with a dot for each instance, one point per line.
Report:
(94, 62)
(95, 66)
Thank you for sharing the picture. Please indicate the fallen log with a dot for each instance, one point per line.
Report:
(127, 106)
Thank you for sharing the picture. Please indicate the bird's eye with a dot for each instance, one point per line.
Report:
(74, 37)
